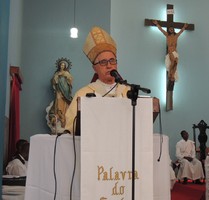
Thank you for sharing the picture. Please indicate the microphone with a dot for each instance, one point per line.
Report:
(114, 73)
(118, 79)
(145, 90)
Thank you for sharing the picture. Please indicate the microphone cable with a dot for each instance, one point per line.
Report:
(74, 168)
(110, 90)
(54, 162)
(161, 135)
(54, 171)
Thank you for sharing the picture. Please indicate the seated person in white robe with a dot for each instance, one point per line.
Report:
(18, 166)
(190, 166)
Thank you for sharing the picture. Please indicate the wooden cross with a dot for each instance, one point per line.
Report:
(167, 24)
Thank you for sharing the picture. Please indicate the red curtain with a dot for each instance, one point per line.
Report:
(14, 115)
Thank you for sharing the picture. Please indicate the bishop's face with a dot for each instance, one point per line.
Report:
(104, 63)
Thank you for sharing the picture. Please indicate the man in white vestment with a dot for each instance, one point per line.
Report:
(190, 166)
(101, 50)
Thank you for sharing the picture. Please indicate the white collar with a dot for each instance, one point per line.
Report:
(107, 86)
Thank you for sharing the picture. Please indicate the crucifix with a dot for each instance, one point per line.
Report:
(172, 55)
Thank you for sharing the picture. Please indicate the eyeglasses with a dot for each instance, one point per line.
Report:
(104, 62)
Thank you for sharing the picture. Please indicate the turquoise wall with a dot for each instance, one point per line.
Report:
(45, 38)
(141, 52)
(4, 27)
(141, 59)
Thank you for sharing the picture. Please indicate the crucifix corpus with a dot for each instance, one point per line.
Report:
(171, 59)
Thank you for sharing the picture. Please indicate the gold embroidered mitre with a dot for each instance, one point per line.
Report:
(97, 42)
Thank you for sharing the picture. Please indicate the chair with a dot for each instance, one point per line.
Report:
(202, 138)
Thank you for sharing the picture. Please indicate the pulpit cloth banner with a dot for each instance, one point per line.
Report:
(106, 148)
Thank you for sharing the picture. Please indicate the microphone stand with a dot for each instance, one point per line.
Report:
(133, 95)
